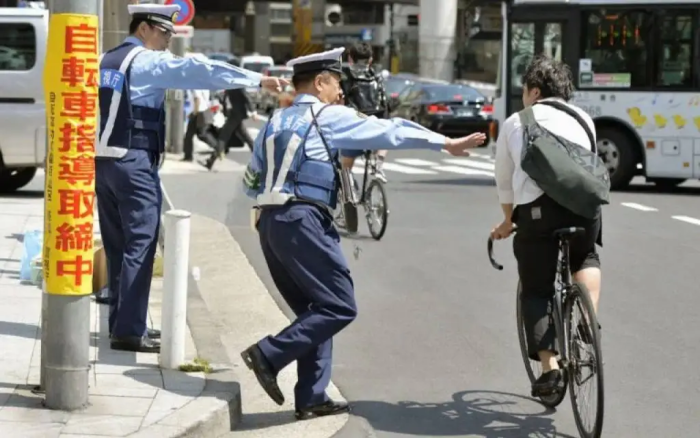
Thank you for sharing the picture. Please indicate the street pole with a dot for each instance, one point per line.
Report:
(115, 23)
(73, 39)
(178, 46)
(393, 61)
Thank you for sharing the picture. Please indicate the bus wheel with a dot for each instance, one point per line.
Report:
(619, 153)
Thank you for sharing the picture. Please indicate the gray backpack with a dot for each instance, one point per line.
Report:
(573, 176)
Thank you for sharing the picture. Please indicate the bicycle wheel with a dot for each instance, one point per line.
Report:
(583, 336)
(377, 209)
(533, 367)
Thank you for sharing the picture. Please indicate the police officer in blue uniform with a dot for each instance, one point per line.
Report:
(133, 79)
(294, 177)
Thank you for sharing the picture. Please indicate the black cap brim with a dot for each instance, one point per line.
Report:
(330, 65)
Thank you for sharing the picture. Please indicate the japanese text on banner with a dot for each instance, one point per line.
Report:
(71, 77)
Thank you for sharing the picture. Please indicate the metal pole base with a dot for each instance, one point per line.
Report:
(67, 352)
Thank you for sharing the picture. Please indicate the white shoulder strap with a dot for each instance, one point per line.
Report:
(116, 100)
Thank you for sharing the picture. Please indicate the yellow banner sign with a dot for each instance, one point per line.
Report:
(71, 79)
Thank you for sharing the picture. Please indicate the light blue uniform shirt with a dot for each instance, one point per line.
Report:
(154, 72)
(345, 128)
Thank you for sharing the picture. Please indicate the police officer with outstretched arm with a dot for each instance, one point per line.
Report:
(133, 79)
(294, 176)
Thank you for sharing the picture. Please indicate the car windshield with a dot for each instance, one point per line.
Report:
(440, 93)
(257, 67)
(394, 86)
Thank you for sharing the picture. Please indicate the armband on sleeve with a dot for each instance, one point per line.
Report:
(251, 179)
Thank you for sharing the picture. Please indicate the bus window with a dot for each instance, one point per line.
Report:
(552, 40)
(522, 50)
(617, 43)
(674, 68)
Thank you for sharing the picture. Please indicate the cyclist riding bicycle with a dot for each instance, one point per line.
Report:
(546, 84)
(363, 90)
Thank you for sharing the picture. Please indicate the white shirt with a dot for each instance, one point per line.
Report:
(512, 183)
(204, 99)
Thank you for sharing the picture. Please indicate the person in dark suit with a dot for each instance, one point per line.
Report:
(238, 106)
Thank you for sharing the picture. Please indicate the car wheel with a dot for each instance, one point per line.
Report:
(12, 180)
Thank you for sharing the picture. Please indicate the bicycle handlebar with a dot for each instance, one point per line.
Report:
(489, 248)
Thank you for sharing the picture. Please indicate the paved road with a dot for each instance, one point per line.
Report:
(434, 351)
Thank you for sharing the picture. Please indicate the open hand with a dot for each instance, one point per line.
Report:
(273, 83)
(458, 146)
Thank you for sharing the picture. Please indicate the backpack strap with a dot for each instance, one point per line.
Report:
(527, 116)
(567, 109)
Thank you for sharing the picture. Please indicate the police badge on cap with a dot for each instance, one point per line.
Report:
(163, 15)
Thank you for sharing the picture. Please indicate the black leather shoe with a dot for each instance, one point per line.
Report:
(256, 362)
(548, 383)
(153, 334)
(133, 343)
(328, 408)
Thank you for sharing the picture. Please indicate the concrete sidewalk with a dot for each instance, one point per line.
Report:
(129, 394)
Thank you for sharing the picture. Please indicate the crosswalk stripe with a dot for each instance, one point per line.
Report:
(399, 168)
(415, 162)
(471, 163)
(462, 171)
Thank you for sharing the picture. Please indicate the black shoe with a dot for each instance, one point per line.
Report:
(102, 299)
(547, 384)
(153, 333)
(255, 361)
(188, 160)
(328, 408)
(133, 343)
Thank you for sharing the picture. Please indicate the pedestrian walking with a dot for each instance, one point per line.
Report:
(294, 176)
(133, 80)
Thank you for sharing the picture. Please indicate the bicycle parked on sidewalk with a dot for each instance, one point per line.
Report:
(574, 336)
(372, 197)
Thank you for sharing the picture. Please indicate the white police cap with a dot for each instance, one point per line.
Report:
(163, 15)
(325, 61)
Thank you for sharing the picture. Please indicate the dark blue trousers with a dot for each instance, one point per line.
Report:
(302, 250)
(129, 205)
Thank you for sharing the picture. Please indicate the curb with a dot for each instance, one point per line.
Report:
(217, 410)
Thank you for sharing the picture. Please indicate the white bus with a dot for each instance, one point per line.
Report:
(636, 67)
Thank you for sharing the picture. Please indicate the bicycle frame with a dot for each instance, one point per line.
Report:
(370, 163)
(561, 293)
(562, 289)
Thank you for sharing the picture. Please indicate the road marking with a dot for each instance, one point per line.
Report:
(415, 162)
(462, 170)
(690, 220)
(392, 167)
(471, 163)
(638, 206)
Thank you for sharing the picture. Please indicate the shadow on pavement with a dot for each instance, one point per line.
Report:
(652, 189)
(18, 329)
(488, 414)
(23, 194)
(264, 420)
(481, 181)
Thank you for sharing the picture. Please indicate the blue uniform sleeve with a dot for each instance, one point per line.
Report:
(349, 130)
(167, 71)
(251, 178)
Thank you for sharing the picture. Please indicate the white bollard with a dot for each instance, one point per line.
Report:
(174, 308)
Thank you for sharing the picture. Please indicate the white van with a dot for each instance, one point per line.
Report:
(256, 63)
(23, 34)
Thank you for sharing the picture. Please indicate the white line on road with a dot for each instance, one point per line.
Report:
(415, 162)
(638, 206)
(393, 167)
(690, 220)
(471, 163)
(462, 170)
